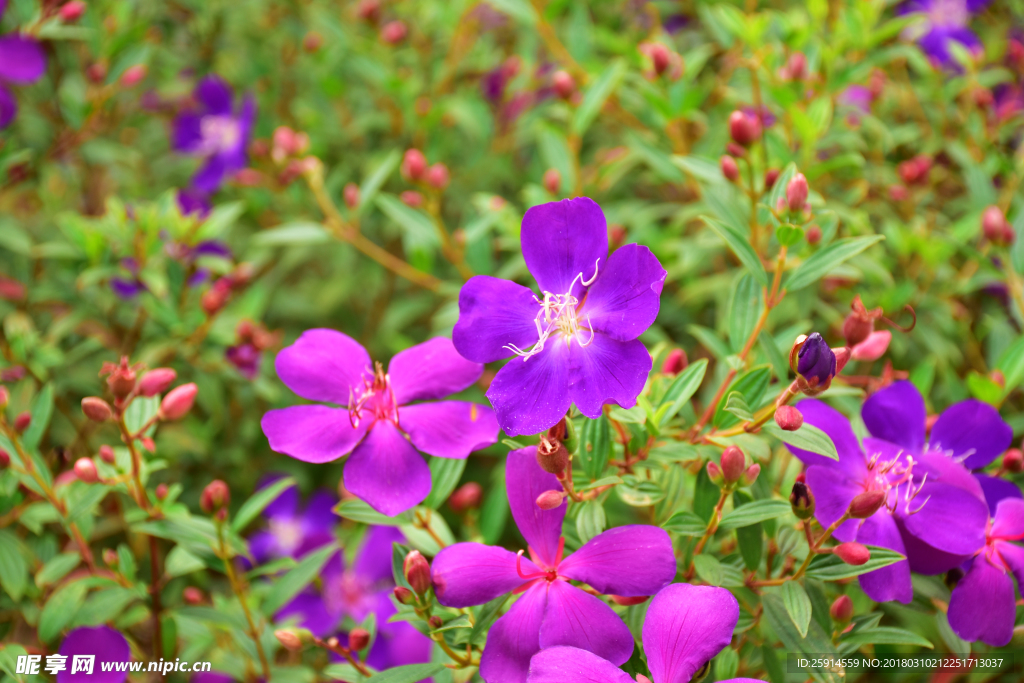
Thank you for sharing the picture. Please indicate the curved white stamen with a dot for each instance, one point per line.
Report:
(558, 314)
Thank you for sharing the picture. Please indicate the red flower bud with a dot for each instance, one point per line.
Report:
(730, 169)
(796, 66)
(675, 362)
(289, 639)
(1013, 460)
(110, 557)
(437, 176)
(22, 421)
(215, 496)
(85, 470)
(107, 454)
(368, 10)
(659, 55)
(992, 223)
(133, 75)
(417, 572)
(866, 504)
(852, 553)
(394, 32)
(616, 235)
(411, 198)
(715, 473)
(358, 639)
(414, 164)
(466, 497)
(404, 595)
(563, 84)
(96, 72)
(733, 464)
(552, 180)
(750, 474)
(842, 609)
(312, 41)
(898, 193)
(813, 234)
(744, 129)
(552, 455)
(193, 596)
(796, 192)
(96, 409)
(435, 622)
(121, 381)
(788, 418)
(915, 171)
(5, 396)
(161, 491)
(770, 176)
(178, 401)
(156, 381)
(549, 500)
(72, 11)
(5, 458)
(351, 195)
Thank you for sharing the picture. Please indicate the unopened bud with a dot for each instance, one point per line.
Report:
(156, 381)
(161, 491)
(549, 500)
(133, 75)
(312, 41)
(404, 595)
(812, 234)
(659, 56)
(107, 454)
(71, 12)
(351, 195)
(121, 381)
(552, 180)
(5, 396)
(770, 176)
(788, 418)
(5, 458)
(96, 409)
(368, 10)
(852, 553)
(394, 32)
(358, 639)
(733, 464)
(417, 572)
(289, 639)
(730, 169)
(563, 84)
(22, 421)
(414, 164)
(640, 678)
(214, 497)
(85, 470)
(1013, 460)
(627, 600)
(552, 456)
(737, 151)
(796, 66)
(435, 622)
(110, 557)
(842, 609)
(866, 504)
(466, 497)
(796, 192)
(802, 500)
(750, 474)
(675, 362)
(744, 129)
(616, 235)
(411, 198)
(992, 223)
(437, 176)
(715, 473)
(178, 401)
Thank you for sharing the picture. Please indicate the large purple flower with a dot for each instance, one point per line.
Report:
(291, 531)
(685, 627)
(215, 132)
(378, 424)
(933, 511)
(629, 560)
(106, 644)
(945, 22)
(22, 61)
(983, 605)
(577, 343)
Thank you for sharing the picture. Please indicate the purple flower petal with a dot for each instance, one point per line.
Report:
(982, 605)
(286, 504)
(468, 574)
(386, 471)
(319, 513)
(833, 491)
(1013, 556)
(187, 132)
(8, 107)
(1008, 522)
(562, 240)
(211, 677)
(997, 489)
(949, 519)
(837, 426)
(515, 638)
(942, 468)
(630, 560)
(314, 434)
(397, 643)
(892, 582)
(524, 481)
(607, 371)
(192, 201)
(449, 429)
(373, 563)
(215, 95)
(433, 369)
(624, 300)
(211, 248)
(124, 288)
(494, 314)
(581, 620)
(925, 559)
(936, 42)
(686, 626)
(263, 546)
(210, 176)
(322, 365)
(896, 414)
(22, 59)
(530, 396)
(573, 665)
(102, 641)
(971, 432)
(310, 611)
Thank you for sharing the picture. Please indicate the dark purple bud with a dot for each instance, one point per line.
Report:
(816, 362)
(802, 500)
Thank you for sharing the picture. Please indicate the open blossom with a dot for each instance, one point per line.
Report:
(293, 531)
(685, 627)
(945, 22)
(633, 560)
(216, 133)
(379, 423)
(106, 644)
(983, 605)
(929, 511)
(22, 61)
(577, 342)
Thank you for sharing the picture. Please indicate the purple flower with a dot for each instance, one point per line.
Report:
(192, 201)
(945, 21)
(128, 287)
(22, 61)
(816, 362)
(933, 511)
(215, 132)
(685, 627)
(246, 358)
(983, 605)
(291, 531)
(378, 425)
(102, 641)
(212, 677)
(631, 560)
(577, 343)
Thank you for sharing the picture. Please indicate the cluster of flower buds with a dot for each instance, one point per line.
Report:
(660, 61)
(415, 170)
(125, 385)
(287, 144)
(795, 68)
(217, 297)
(814, 362)
(215, 498)
(915, 171)
(802, 499)
(995, 227)
(733, 471)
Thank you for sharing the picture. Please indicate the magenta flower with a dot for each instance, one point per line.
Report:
(945, 22)
(378, 424)
(933, 511)
(22, 61)
(216, 133)
(685, 627)
(983, 604)
(291, 531)
(577, 342)
(631, 560)
(102, 641)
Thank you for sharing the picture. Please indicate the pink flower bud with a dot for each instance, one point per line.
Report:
(72, 11)
(5, 396)
(852, 553)
(85, 470)
(735, 150)
(289, 639)
(813, 234)
(770, 176)
(675, 362)
(437, 176)
(866, 504)
(788, 418)
(110, 557)
(616, 235)
(659, 55)
(96, 409)
(121, 381)
(394, 32)
(640, 678)
(549, 500)
(193, 596)
(1013, 460)
(733, 464)
(796, 192)
(730, 169)
(404, 595)
(178, 401)
(156, 381)
(161, 491)
(414, 164)
(312, 41)
(368, 10)
(351, 195)
(874, 347)
(750, 474)
(22, 421)
(715, 473)
(992, 223)
(411, 198)
(5, 458)
(842, 609)
(358, 639)
(744, 129)
(466, 497)
(417, 572)
(563, 84)
(133, 75)
(214, 497)
(435, 622)
(107, 454)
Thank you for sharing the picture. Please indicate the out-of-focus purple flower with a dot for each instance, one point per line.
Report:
(106, 644)
(128, 287)
(933, 512)
(246, 357)
(212, 677)
(378, 425)
(293, 530)
(632, 560)
(857, 97)
(945, 21)
(983, 604)
(22, 61)
(215, 132)
(494, 82)
(577, 343)
(685, 627)
(1007, 100)
(762, 114)
(192, 201)
(675, 23)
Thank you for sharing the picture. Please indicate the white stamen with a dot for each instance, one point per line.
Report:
(558, 315)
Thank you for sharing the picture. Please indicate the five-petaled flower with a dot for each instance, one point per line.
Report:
(577, 342)
(685, 627)
(291, 531)
(944, 23)
(22, 61)
(633, 560)
(379, 423)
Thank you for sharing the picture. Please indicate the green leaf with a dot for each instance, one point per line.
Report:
(1011, 364)
(298, 233)
(686, 523)
(595, 446)
(590, 520)
(418, 229)
(42, 409)
(258, 501)
(778, 190)
(139, 411)
(735, 404)
(709, 569)
(831, 568)
(816, 644)
(740, 246)
(883, 635)
(289, 585)
(371, 186)
(794, 597)
(180, 562)
(705, 496)
(753, 513)
(727, 662)
(445, 474)
(411, 673)
(822, 262)
(57, 568)
(521, 10)
(683, 387)
(421, 539)
(752, 385)
(596, 95)
(984, 388)
(639, 492)
(808, 437)
(495, 508)
(486, 615)
(745, 306)
(750, 539)
(104, 605)
(13, 567)
(358, 511)
(9, 654)
(60, 609)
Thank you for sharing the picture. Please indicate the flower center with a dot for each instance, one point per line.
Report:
(288, 533)
(373, 397)
(889, 475)
(548, 574)
(947, 13)
(220, 133)
(558, 316)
